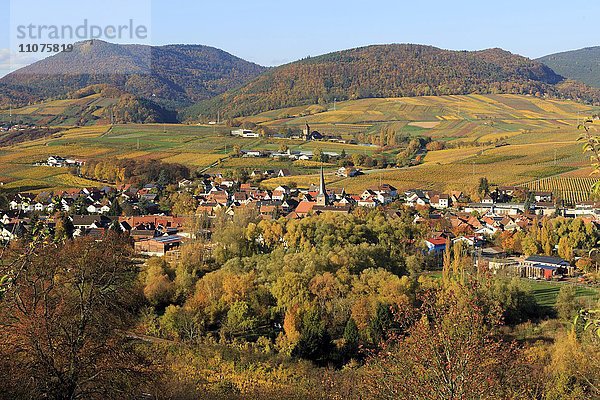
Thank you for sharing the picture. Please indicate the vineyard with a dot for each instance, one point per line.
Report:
(572, 190)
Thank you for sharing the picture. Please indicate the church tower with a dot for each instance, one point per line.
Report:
(306, 132)
(322, 198)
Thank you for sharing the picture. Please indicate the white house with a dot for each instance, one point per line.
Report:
(347, 172)
(56, 161)
(440, 202)
(245, 133)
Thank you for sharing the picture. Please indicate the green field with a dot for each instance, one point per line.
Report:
(545, 293)
(540, 138)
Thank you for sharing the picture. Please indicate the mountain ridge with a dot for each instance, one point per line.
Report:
(581, 64)
(394, 70)
(172, 75)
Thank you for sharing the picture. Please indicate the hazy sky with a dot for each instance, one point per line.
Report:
(274, 32)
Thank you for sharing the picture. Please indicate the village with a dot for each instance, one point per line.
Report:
(140, 212)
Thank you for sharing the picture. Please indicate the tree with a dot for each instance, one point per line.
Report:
(567, 305)
(239, 318)
(61, 318)
(182, 323)
(565, 250)
(351, 338)
(115, 208)
(63, 228)
(584, 264)
(447, 262)
(483, 187)
(159, 288)
(163, 178)
(380, 323)
(449, 352)
(183, 204)
(314, 340)
(358, 159)
(317, 154)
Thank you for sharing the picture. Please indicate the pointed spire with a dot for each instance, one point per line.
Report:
(322, 198)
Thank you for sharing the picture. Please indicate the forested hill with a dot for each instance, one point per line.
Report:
(582, 65)
(173, 75)
(391, 71)
(15, 95)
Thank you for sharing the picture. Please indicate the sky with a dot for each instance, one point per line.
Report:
(276, 32)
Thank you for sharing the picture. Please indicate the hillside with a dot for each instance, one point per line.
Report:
(96, 104)
(582, 65)
(180, 74)
(15, 95)
(537, 137)
(398, 70)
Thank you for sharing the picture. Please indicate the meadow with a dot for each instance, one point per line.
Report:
(538, 138)
(545, 293)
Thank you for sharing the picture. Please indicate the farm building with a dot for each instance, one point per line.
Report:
(158, 246)
(545, 267)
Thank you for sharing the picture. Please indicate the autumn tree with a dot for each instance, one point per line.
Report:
(567, 305)
(62, 321)
(183, 203)
(158, 285)
(483, 187)
(450, 352)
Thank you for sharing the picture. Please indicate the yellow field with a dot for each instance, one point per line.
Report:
(572, 189)
(539, 138)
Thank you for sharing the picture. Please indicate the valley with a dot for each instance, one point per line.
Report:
(510, 139)
(310, 209)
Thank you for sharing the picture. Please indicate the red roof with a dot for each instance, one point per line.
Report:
(304, 207)
(437, 241)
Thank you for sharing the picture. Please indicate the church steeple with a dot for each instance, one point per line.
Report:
(322, 198)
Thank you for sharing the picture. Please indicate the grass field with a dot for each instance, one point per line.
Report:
(540, 135)
(545, 293)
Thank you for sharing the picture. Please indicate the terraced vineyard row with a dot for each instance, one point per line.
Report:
(572, 190)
